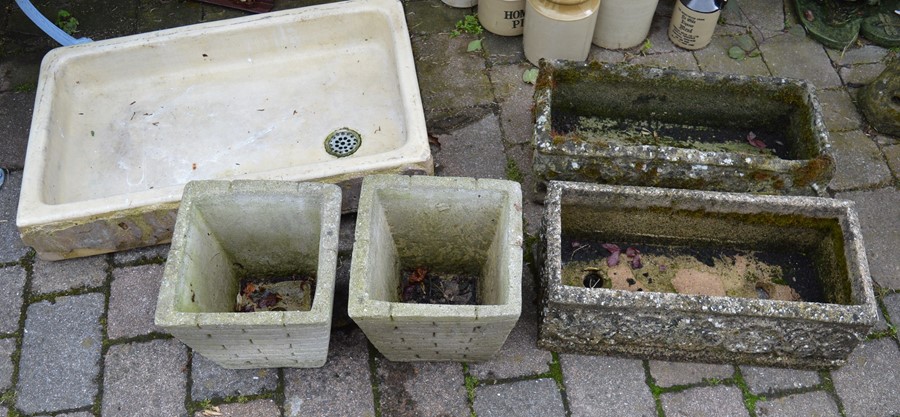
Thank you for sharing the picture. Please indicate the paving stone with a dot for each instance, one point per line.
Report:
(97, 19)
(877, 209)
(720, 400)
(13, 280)
(56, 276)
(504, 50)
(816, 403)
(132, 301)
(677, 60)
(892, 154)
(539, 397)
(473, 151)
(15, 119)
(213, 381)
(760, 15)
(606, 386)
(880, 324)
(7, 348)
(838, 110)
(145, 379)
(258, 408)
(516, 100)
(885, 140)
(866, 54)
(156, 15)
(155, 253)
(60, 359)
(798, 57)
(522, 156)
(862, 74)
(519, 356)
(212, 12)
(341, 387)
(76, 414)
(659, 35)
(432, 17)
(11, 246)
(858, 162)
(408, 388)
(605, 55)
(892, 303)
(765, 380)
(454, 85)
(714, 58)
(865, 385)
(667, 374)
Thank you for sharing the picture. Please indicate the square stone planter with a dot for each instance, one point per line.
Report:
(229, 230)
(632, 125)
(452, 225)
(821, 235)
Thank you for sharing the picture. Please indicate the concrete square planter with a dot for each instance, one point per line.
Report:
(456, 225)
(822, 233)
(631, 125)
(229, 230)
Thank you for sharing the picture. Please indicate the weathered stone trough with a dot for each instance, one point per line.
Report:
(227, 231)
(631, 125)
(784, 248)
(451, 225)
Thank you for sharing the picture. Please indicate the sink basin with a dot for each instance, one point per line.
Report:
(324, 93)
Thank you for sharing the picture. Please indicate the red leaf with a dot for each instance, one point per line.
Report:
(636, 261)
(632, 251)
(611, 247)
(418, 275)
(613, 259)
(751, 138)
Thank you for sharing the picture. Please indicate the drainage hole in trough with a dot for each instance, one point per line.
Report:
(343, 142)
(593, 280)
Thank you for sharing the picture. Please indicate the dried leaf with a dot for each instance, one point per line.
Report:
(433, 140)
(418, 275)
(611, 247)
(212, 411)
(754, 141)
(636, 261)
(614, 251)
(631, 251)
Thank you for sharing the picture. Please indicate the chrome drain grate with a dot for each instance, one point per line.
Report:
(343, 142)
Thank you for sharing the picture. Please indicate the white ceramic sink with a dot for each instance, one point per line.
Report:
(120, 126)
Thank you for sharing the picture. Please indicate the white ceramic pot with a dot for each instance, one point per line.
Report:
(623, 24)
(558, 31)
(502, 17)
(461, 4)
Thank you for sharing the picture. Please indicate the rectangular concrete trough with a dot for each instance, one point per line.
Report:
(632, 125)
(121, 125)
(801, 295)
(227, 231)
(449, 225)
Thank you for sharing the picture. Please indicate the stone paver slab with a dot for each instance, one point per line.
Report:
(429, 17)
(892, 303)
(862, 74)
(213, 381)
(606, 386)
(878, 210)
(409, 388)
(15, 120)
(720, 400)
(503, 50)
(341, 387)
(157, 15)
(539, 397)
(515, 97)
(11, 246)
(258, 408)
(867, 384)
(60, 359)
(56, 276)
(866, 54)
(816, 403)
(145, 379)
(667, 374)
(892, 155)
(7, 348)
(12, 278)
(475, 151)
(858, 162)
(132, 301)
(714, 58)
(765, 380)
(677, 60)
(155, 253)
(793, 56)
(838, 110)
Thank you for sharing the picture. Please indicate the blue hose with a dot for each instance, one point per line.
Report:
(47, 26)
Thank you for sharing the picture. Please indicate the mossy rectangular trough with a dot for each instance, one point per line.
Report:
(227, 231)
(694, 235)
(632, 125)
(455, 226)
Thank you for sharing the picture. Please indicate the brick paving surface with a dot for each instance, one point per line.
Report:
(77, 338)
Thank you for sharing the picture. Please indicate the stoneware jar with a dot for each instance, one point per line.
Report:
(461, 4)
(558, 31)
(502, 17)
(693, 22)
(623, 24)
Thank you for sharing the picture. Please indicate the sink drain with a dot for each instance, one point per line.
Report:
(343, 142)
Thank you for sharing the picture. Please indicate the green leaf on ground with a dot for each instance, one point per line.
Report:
(474, 46)
(530, 76)
(735, 52)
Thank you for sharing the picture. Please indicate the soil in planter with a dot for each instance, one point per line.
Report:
(423, 286)
(781, 275)
(284, 293)
(634, 132)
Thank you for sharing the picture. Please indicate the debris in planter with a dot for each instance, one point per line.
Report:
(422, 286)
(782, 274)
(291, 293)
